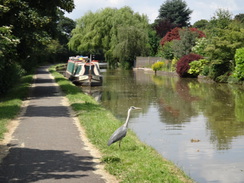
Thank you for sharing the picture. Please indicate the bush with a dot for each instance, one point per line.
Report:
(174, 62)
(239, 68)
(167, 51)
(157, 66)
(200, 46)
(10, 75)
(197, 66)
(183, 66)
(218, 68)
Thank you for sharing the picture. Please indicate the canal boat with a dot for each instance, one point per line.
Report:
(82, 71)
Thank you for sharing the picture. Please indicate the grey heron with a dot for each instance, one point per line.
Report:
(120, 133)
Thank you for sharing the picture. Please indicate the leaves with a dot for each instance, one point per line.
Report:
(117, 34)
(176, 12)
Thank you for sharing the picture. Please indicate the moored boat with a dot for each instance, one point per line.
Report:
(83, 72)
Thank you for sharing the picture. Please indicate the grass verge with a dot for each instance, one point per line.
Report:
(11, 102)
(135, 161)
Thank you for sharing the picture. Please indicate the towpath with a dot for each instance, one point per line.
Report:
(47, 145)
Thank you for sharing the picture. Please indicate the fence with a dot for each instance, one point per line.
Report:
(146, 61)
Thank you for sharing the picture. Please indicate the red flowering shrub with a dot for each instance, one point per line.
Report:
(174, 34)
(183, 66)
(171, 35)
(200, 33)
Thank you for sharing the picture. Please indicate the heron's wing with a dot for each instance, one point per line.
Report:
(117, 135)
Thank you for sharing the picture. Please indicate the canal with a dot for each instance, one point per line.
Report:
(196, 124)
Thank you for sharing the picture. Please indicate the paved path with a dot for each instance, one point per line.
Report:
(46, 146)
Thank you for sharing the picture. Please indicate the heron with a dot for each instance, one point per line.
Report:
(120, 133)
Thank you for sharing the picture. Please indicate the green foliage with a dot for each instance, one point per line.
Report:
(200, 46)
(157, 66)
(118, 34)
(217, 69)
(8, 43)
(10, 72)
(197, 66)
(239, 60)
(224, 37)
(221, 19)
(167, 50)
(176, 12)
(240, 17)
(131, 43)
(27, 31)
(153, 42)
(183, 66)
(174, 63)
(184, 45)
(200, 24)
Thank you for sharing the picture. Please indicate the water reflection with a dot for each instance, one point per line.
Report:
(198, 125)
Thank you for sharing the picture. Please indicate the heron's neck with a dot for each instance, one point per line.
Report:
(127, 119)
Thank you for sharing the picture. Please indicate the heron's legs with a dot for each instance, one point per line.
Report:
(120, 142)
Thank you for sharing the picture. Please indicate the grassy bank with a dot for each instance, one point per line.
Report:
(11, 102)
(135, 161)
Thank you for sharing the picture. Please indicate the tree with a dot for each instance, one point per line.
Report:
(240, 17)
(172, 35)
(225, 36)
(131, 42)
(221, 19)
(176, 12)
(200, 24)
(184, 45)
(182, 41)
(239, 68)
(162, 26)
(106, 31)
(153, 42)
(34, 25)
(157, 66)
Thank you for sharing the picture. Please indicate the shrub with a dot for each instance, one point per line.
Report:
(200, 46)
(174, 62)
(183, 66)
(197, 66)
(10, 75)
(218, 68)
(174, 34)
(239, 68)
(171, 35)
(157, 66)
(167, 50)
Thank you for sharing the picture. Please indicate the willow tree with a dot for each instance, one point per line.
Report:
(107, 31)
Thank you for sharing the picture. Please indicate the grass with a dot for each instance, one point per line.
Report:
(134, 161)
(11, 102)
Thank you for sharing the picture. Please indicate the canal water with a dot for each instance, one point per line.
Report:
(196, 124)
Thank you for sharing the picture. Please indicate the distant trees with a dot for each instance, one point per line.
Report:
(217, 40)
(172, 14)
(118, 34)
(224, 36)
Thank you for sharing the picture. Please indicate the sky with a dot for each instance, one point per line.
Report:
(202, 9)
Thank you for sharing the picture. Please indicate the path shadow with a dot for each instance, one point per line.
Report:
(29, 165)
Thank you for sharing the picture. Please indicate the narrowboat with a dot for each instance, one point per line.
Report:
(82, 71)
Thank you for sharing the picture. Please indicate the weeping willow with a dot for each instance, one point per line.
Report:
(119, 35)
